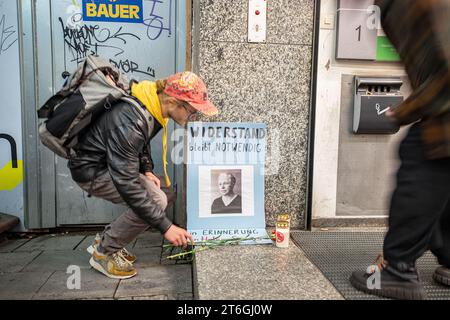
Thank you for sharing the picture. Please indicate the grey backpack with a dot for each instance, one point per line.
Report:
(85, 96)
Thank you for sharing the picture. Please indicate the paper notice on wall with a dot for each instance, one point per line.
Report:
(225, 181)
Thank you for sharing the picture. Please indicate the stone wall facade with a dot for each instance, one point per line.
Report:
(264, 82)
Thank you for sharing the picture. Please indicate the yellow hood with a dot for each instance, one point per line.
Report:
(146, 92)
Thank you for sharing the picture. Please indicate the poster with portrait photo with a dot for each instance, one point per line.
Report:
(225, 181)
(226, 191)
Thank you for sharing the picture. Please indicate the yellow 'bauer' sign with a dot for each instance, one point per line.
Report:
(113, 10)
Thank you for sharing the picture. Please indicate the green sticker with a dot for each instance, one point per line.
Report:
(386, 50)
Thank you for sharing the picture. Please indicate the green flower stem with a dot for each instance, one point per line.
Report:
(182, 254)
(219, 242)
(208, 244)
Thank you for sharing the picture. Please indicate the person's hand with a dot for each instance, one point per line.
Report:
(153, 178)
(390, 114)
(178, 236)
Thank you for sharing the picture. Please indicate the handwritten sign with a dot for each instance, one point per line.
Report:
(113, 10)
(225, 182)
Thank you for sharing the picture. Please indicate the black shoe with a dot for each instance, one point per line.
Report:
(442, 275)
(385, 281)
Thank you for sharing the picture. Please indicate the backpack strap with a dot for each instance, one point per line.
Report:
(142, 109)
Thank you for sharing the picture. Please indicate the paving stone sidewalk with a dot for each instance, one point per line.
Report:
(37, 269)
(259, 272)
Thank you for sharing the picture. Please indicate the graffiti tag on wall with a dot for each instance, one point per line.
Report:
(8, 36)
(117, 41)
(156, 23)
(87, 39)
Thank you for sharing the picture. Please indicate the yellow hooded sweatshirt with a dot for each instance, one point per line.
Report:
(146, 92)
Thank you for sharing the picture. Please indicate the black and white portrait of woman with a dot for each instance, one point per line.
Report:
(229, 201)
(225, 191)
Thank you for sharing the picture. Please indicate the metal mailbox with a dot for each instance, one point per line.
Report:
(373, 97)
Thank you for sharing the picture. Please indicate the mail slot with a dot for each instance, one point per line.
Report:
(373, 98)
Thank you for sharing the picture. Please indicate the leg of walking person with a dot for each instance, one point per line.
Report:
(440, 247)
(418, 203)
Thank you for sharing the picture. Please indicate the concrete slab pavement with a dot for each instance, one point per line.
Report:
(16, 262)
(21, 285)
(168, 280)
(52, 242)
(259, 272)
(37, 269)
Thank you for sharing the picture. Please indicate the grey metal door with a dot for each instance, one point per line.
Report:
(142, 50)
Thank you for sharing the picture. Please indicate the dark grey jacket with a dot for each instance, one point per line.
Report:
(118, 142)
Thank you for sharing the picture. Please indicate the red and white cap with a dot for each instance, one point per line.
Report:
(187, 86)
